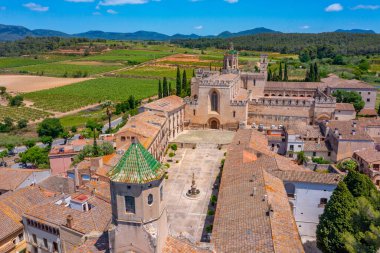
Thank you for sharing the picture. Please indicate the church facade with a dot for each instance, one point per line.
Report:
(229, 99)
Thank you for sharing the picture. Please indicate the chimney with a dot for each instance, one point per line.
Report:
(336, 131)
(76, 179)
(319, 139)
(353, 132)
(354, 124)
(69, 221)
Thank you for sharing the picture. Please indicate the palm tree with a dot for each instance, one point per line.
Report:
(110, 109)
(301, 158)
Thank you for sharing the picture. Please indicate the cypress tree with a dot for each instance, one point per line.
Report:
(170, 89)
(307, 78)
(316, 73)
(269, 75)
(359, 184)
(165, 87)
(159, 89)
(336, 220)
(178, 83)
(193, 73)
(286, 72)
(184, 81)
(312, 73)
(280, 72)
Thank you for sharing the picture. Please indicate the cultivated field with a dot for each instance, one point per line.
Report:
(24, 83)
(154, 71)
(70, 97)
(11, 62)
(17, 113)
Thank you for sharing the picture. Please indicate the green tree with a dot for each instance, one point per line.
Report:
(132, 102)
(286, 72)
(94, 126)
(165, 91)
(184, 82)
(36, 156)
(352, 97)
(301, 157)
(338, 60)
(359, 184)
(29, 143)
(48, 140)
(110, 109)
(16, 100)
(3, 154)
(304, 55)
(336, 220)
(317, 76)
(178, 86)
(22, 123)
(159, 89)
(280, 72)
(50, 127)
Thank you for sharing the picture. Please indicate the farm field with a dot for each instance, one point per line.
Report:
(129, 57)
(17, 113)
(80, 119)
(65, 69)
(24, 83)
(11, 62)
(70, 97)
(153, 71)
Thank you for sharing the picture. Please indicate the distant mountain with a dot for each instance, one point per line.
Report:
(356, 31)
(259, 30)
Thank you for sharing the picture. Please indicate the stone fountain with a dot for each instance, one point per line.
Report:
(193, 193)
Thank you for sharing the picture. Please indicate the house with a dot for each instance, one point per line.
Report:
(12, 206)
(255, 199)
(13, 179)
(344, 111)
(369, 163)
(61, 158)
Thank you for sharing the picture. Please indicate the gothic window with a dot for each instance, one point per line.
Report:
(234, 114)
(130, 204)
(194, 112)
(214, 101)
(150, 199)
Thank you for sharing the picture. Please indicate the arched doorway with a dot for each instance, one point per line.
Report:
(214, 123)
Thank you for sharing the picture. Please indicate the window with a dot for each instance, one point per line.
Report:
(150, 199)
(130, 204)
(234, 114)
(194, 112)
(299, 146)
(314, 153)
(368, 100)
(21, 237)
(329, 154)
(55, 246)
(122, 138)
(322, 202)
(45, 243)
(290, 190)
(291, 147)
(34, 238)
(214, 101)
(369, 93)
(161, 193)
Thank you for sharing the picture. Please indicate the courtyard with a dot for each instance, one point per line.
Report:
(187, 217)
(216, 137)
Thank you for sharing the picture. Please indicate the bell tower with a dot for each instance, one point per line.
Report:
(139, 219)
(231, 61)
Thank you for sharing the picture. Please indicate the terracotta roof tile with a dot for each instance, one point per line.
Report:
(369, 155)
(166, 104)
(344, 107)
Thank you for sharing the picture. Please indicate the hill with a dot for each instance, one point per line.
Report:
(356, 31)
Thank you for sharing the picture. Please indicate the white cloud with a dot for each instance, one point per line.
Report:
(231, 1)
(96, 13)
(334, 7)
(3, 8)
(36, 7)
(366, 7)
(80, 1)
(199, 27)
(305, 27)
(111, 12)
(121, 2)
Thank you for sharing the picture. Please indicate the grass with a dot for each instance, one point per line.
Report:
(60, 69)
(14, 139)
(11, 62)
(70, 97)
(17, 113)
(80, 119)
(151, 71)
(193, 64)
(375, 67)
(130, 57)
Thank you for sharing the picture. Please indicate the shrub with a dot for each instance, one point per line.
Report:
(171, 154)
(210, 212)
(174, 147)
(167, 165)
(209, 229)
(22, 123)
(320, 160)
(16, 100)
(50, 127)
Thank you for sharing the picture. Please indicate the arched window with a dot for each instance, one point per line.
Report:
(234, 114)
(150, 199)
(214, 101)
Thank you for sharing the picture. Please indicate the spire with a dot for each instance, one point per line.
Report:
(136, 166)
(232, 46)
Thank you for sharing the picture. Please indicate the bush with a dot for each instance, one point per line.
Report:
(167, 165)
(320, 160)
(22, 123)
(174, 147)
(50, 127)
(16, 100)
(209, 229)
(171, 154)
(210, 212)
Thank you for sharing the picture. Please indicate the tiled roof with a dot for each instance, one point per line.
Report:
(336, 82)
(166, 104)
(369, 155)
(304, 130)
(175, 245)
(58, 184)
(10, 179)
(312, 146)
(308, 176)
(293, 85)
(346, 130)
(94, 245)
(97, 219)
(368, 112)
(243, 220)
(12, 206)
(344, 107)
(137, 165)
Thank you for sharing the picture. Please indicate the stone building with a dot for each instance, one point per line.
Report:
(344, 111)
(369, 163)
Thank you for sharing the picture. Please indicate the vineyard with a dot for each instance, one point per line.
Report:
(152, 71)
(17, 113)
(74, 96)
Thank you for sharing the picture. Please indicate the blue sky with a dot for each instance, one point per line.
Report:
(191, 16)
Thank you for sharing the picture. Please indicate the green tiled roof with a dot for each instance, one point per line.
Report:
(136, 166)
(232, 52)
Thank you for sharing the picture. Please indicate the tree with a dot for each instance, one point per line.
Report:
(110, 109)
(193, 73)
(352, 97)
(286, 73)
(336, 220)
(3, 90)
(48, 140)
(30, 143)
(301, 158)
(10, 148)
(317, 77)
(132, 102)
(184, 82)
(304, 55)
(338, 60)
(178, 83)
(22, 123)
(16, 101)
(165, 92)
(50, 127)
(280, 72)
(36, 156)
(94, 126)
(3, 154)
(159, 89)
(7, 125)
(359, 184)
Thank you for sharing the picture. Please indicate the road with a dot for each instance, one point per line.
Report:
(114, 124)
